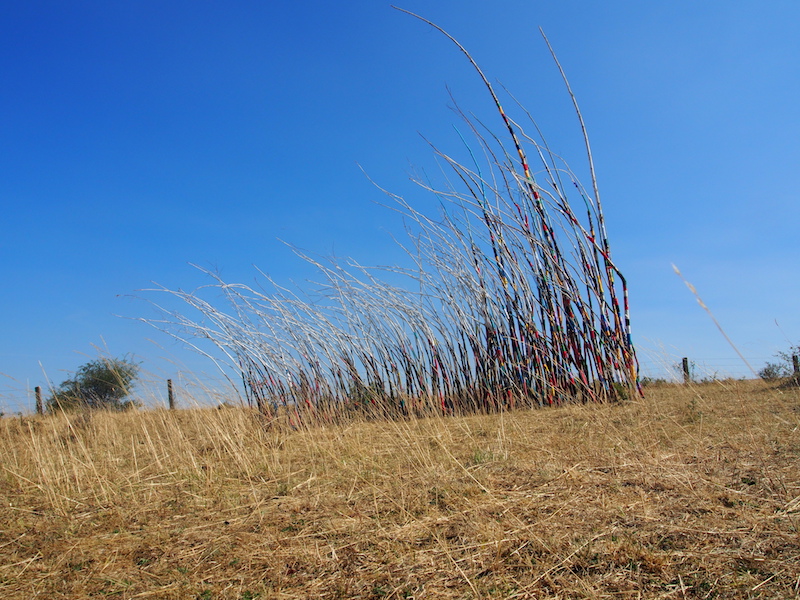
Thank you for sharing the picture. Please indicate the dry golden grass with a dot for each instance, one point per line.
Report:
(693, 492)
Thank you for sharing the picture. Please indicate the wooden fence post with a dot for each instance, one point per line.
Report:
(170, 395)
(687, 376)
(38, 391)
(796, 364)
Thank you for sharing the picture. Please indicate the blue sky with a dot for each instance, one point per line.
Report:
(139, 137)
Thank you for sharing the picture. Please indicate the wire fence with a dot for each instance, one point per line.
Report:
(189, 390)
(672, 367)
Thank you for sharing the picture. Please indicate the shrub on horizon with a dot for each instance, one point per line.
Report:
(99, 384)
(782, 368)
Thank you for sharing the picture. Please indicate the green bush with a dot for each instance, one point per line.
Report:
(100, 384)
(773, 371)
(781, 369)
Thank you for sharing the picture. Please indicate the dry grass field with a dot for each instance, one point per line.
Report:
(692, 492)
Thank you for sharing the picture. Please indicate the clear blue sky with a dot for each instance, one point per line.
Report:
(139, 137)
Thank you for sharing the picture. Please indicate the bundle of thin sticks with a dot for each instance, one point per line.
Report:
(513, 301)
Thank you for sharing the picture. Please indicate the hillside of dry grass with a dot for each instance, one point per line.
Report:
(693, 492)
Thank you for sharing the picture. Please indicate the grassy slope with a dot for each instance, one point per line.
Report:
(690, 493)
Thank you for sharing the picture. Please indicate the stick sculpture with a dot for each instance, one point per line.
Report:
(513, 302)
